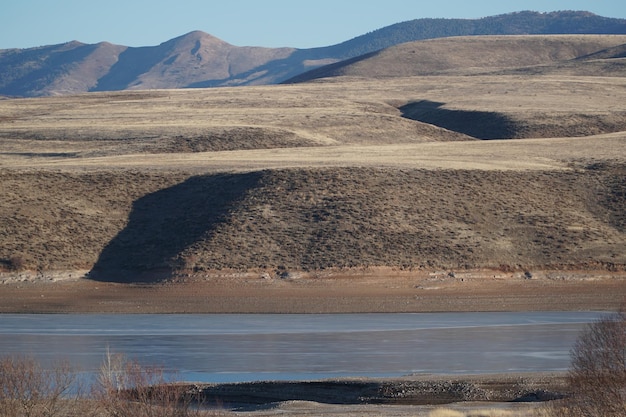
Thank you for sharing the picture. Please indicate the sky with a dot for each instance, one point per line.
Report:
(269, 23)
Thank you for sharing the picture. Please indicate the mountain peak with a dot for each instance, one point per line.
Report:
(198, 59)
(197, 36)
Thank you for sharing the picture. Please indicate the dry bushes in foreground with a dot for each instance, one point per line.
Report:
(29, 390)
(123, 389)
(127, 389)
(597, 376)
(598, 370)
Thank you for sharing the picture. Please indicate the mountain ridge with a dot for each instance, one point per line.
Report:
(198, 59)
(497, 53)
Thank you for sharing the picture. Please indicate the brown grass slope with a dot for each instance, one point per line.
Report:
(205, 120)
(466, 55)
(335, 112)
(127, 224)
(345, 172)
(610, 62)
(422, 219)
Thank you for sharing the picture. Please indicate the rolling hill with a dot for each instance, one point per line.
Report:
(491, 165)
(129, 225)
(340, 174)
(198, 59)
(475, 55)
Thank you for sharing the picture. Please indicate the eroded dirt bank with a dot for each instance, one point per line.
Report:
(354, 291)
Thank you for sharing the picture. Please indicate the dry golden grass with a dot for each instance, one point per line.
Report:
(314, 218)
(351, 123)
(354, 112)
(321, 197)
(321, 175)
(473, 55)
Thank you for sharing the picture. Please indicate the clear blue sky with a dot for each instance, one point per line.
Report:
(271, 23)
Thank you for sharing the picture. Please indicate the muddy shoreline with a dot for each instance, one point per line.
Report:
(358, 291)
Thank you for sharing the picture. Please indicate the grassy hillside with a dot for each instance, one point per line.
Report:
(307, 219)
(316, 219)
(472, 54)
(336, 112)
(346, 172)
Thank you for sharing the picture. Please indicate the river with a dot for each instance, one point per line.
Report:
(240, 347)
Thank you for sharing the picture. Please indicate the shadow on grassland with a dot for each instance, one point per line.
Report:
(479, 124)
(162, 224)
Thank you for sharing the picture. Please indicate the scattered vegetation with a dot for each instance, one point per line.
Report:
(335, 174)
(598, 370)
(128, 389)
(27, 389)
(307, 219)
(597, 376)
(14, 263)
(124, 388)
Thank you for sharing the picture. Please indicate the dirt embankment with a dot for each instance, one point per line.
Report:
(371, 290)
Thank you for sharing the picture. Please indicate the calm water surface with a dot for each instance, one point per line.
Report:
(227, 348)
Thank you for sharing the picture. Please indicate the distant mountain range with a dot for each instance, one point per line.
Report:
(198, 59)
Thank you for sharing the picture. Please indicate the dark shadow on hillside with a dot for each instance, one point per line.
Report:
(330, 70)
(162, 224)
(479, 124)
(131, 64)
(612, 200)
